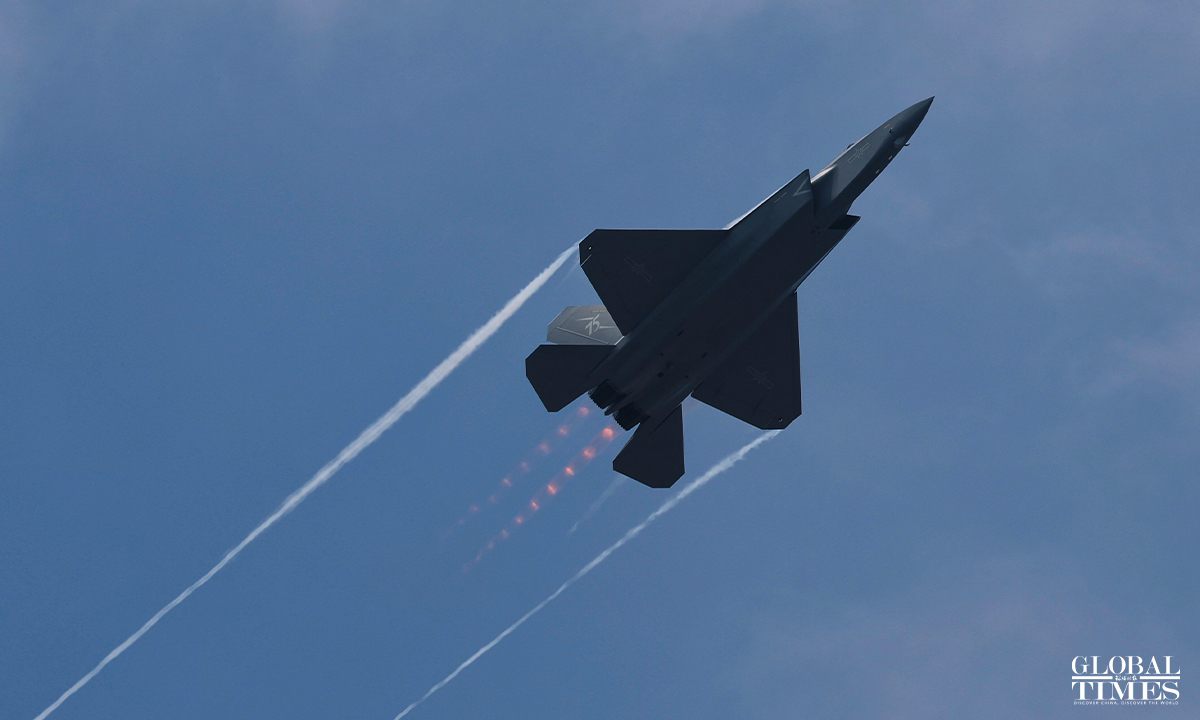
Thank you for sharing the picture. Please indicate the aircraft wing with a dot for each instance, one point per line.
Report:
(634, 270)
(760, 383)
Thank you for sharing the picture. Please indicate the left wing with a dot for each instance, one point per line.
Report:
(634, 270)
(760, 382)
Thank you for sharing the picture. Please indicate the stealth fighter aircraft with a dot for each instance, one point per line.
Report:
(706, 313)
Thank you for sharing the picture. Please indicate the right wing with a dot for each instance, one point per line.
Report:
(634, 270)
(760, 383)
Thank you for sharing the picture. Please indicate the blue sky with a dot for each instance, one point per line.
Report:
(233, 234)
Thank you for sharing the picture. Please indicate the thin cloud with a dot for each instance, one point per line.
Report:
(14, 55)
(1072, 263)
(1173, 361)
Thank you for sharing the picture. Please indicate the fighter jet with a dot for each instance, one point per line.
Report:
(706, 313)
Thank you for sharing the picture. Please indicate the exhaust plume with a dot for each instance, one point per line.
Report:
(544, 494)
(688, 489)
(542, 450)
(368, 436)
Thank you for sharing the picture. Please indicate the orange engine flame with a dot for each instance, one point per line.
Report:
(548, 491)
(545, 448)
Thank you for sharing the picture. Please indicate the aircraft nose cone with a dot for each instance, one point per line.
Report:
(905, 123)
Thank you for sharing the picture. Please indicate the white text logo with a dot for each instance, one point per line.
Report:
(1124, 680)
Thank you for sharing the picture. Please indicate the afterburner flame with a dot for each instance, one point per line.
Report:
(551, 489)
(543, 449)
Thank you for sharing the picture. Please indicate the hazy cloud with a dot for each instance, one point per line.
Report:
(1173, 360)
(1126, 269)
(1070, 263)
(930, 652)
(693, 15)
(312, 16)
(14, 54)
(1036, 42)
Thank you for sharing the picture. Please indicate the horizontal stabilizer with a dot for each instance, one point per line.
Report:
(634, 270)
(559, 373)
(760, 383)
(584, 325)
(654, 455)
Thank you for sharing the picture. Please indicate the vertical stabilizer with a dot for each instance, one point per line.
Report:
(583, 325)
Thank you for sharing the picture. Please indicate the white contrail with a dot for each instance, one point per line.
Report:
(688, 489)
(617, 482)
(368, 436)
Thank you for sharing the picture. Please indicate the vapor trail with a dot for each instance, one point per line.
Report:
(617, 482)
(688, 489)
(368, 436)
